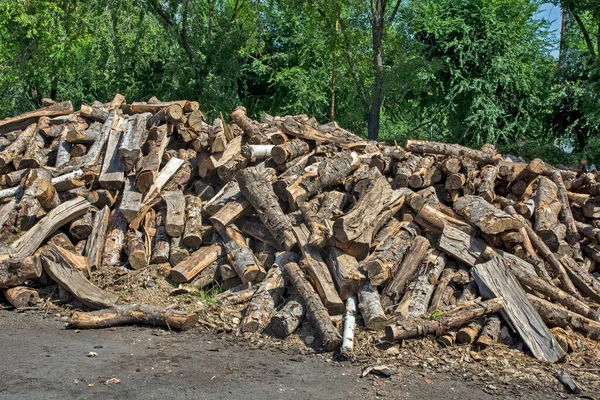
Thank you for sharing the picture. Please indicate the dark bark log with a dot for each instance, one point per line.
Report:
(490, 332)
(250, 128)
(81, 227)
(288, 318)
(484, 215)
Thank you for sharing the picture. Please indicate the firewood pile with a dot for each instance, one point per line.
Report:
(299, 220)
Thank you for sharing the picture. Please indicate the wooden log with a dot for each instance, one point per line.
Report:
(172, 113)
(490, 332)
(255, 185)
(258, 231)
(81, 227)
(349, 326)
(22, 296)
(421, 177)
(468, 333)
(289, 150)
(150, 163)
(13, 274)
(588, 231)
(196, 263)
(86, 137)
(416, 298)
(175, 216)
(484, 215)
(60, 239)
(448, 338)
(316, 313)
(290, 175)
(136, 249)
(130, 151)
(583, 280)
(133, 315)
(454, 150)
(414, 327)
(27, 244)
(161, 247)
(35, 155)
(46, 194)
(63, 271)
(443, 282)
(346, 272)
(468, 294)
(24, 120)
(288, 318)
(566, 214)
(178, 251)
(547, 208)
(231, 211)
(217, 136)
(410, 263)
(94, 112)
(257, 152)
(436, 220)
(370, 307)
(95, 245)
(554, 315)
(328, 133)
(406, 169)
(216, 160)
(325, 174)
(227, 171)
(250, 128)
(240, 256)
(17, 147)
(318, 214)
(488, 176)
(495, 281)
(451, 165)
(381, 265)
(192, 234)
(115, 239)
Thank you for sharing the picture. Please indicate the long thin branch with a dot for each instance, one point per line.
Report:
(396, 7)
(586, 35)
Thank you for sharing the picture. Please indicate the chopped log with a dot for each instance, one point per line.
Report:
(63, 271)
(231, 211)
(17, 274)
(291, 174)
(18, 147)
(88, 136)
(257, 152)
(255, 186)
(258, 231)
(415, 301)
(327, 173)
(420, 327)
(454, 150)
(490, 332)
(240, 256)
(346, 272)
(316, 268)
(381, 265)
(349, 326)
(94, 112)
(161, 247)
(192, 234)
(405, 170)
(495, 281)
(588, 231)
(217, 136)
(289, 150)
(35, 155)
(132, 315)
(488, 176)
(22, 296)
(468, 294)
(115, 239)
(436, 220)
(316, 313)
(163, 177)
(583, 280)
(421, 177)
(77, 150)
(130, 151)
(288, 318)
(250, 128)
(370, 307)
(178, 252)
(554, 315)
(227, 171)
(23, 120)
(196, 263)
(175, 217)
(484, 215)
(150, 163)
(95, 244)
(27, 244)
(216, 160)
(448, 338)
(136, 249)
(131, 202)
(46, 194)
(344, 139)
(172, 113)
(81, 227)
(318, 220)
(468, 333)
(566, 215)
(438, 296)
(60, 239)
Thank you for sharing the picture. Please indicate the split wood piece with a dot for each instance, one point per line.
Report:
(150, 163)
(267, 296)
(46, 193)
(130, 151)
(24, 120)
(558, 268)
(421, 177)
(136, 249)
(366, 210)
(11, 275)
(416, 299)
(255, 185)
(484, 215)
(316, 313)
(316, 268)
(163, 177)
(288, 318)
(583, 280)
(438, 296)
(27, 244)
(134, 315)
(370, 307)
(406, 169)
(61, 239)
(112, 175)
(381, 265)
(216, 160)
(290, 175)
(250, 128)
(258, 231)
(588, 231)
(63, 271)
(172, 114)
(240, 256)
(35, 155)
(115, 239)
(208, 276)
(436, 220)
(495, 281)
(17, 147)
(389, 229)
(178, 251)
(81, 227)
(547, 208)
(192, 234)
(131, 202)
(161, 247)
(175, 216)
(217, 136)
(87, 137)
(488, 176)
(468, 333)
(454, 150)
(410, 263)
(318, 214)
(414, 327)
(22, 296)
(490, 332)
(325, 174)
(94, 112)
(230, 211)
(555, 315)
(289, 150)
(227, 193)
(196, 263)
(95, 244)
(346, 272)
(566, 215)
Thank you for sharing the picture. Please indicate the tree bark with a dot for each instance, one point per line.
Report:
(288, 318)
(454, 150)
(196, 263)
(485, 216)
(95, 244)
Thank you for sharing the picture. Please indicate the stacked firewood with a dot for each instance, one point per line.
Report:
(300, 220)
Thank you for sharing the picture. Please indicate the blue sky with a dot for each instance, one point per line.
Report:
(551, 13)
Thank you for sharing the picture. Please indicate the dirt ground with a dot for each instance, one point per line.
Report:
(40, 359)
